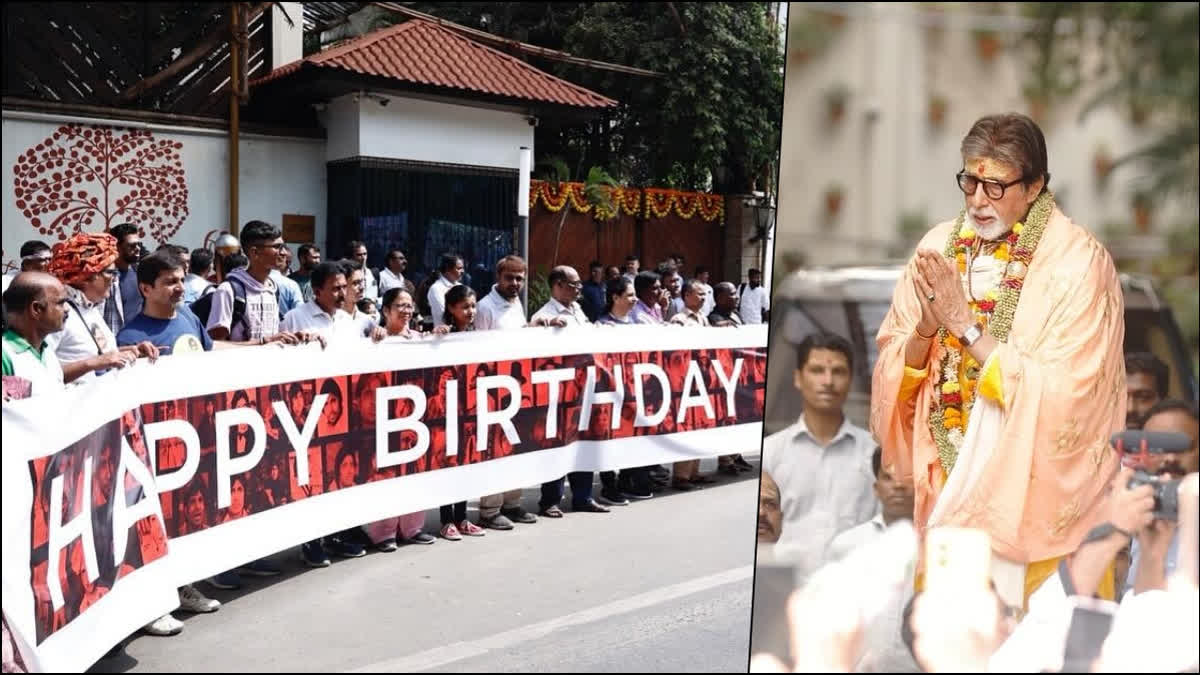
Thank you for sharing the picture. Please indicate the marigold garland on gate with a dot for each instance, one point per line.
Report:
(649, 203)
(957, 376)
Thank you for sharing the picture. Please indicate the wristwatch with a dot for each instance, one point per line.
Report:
(971, 335)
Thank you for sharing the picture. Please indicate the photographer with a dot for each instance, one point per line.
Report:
(1156, 547)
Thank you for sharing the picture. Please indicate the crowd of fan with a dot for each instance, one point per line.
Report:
(98, 302)
(812, 527)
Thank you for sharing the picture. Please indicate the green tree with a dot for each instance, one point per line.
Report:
(712, 119)
(598, 188)
(1147, 61)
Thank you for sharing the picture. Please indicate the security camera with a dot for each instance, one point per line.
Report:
(383, 101)
(533, 121)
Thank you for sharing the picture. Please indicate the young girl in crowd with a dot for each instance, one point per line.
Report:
(459, 317)
(397, 312)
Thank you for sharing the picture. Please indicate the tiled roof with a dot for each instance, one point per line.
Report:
(424, 53)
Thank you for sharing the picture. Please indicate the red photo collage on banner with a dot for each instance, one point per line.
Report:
(86, 565)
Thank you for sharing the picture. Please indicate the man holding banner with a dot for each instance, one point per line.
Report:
(501, 310)
(36, 308)
(145, 544)
(173, 330)
(563, 310)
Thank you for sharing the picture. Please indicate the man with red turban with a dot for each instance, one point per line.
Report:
(86, 346)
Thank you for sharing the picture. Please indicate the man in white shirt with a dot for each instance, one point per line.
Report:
(86, 346)
(357, 251)
(756, 303)
(364, 325)
(692, 300)
(501, 309)
(562, 309)
(36, 306)
(450, 271)
(884, 651)
(392, 276)
(323, 314)
(822, 462)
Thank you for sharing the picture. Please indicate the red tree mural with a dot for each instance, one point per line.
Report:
(94, 177)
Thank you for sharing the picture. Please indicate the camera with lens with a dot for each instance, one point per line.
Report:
(1140, 445)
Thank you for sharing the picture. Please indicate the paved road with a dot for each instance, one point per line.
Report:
(663, 584)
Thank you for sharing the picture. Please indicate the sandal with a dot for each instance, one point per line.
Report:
(551, 512)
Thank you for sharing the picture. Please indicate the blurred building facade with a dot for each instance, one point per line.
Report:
(878, 97)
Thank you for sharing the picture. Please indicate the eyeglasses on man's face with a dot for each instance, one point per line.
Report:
(994, 189)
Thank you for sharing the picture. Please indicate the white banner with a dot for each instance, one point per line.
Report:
(233, 455)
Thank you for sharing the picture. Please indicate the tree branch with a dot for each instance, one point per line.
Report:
(214, 40)
(678, 19)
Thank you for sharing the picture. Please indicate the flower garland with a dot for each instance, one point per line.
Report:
(958, 373)
(661, 202)
(649, 203)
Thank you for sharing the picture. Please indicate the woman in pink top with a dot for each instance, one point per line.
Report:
(397, 309)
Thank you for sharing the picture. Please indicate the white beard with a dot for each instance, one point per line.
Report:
(992, 232)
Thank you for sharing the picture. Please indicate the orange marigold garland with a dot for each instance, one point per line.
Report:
(957, 374)
(649, 203)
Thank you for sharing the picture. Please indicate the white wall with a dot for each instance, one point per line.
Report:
(429, 131)
(340, 119)
(889, 159)
(277, 176)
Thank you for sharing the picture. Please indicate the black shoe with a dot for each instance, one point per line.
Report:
(742, 464)
(613, 497)
(638, 493)
(729, 470)
(659, 471)
(683, 486)
(344, 549)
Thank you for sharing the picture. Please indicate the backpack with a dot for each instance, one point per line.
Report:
(202, 306)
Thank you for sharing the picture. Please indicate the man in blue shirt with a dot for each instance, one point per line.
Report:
(171, 327)
(129, 247)
(592, 298)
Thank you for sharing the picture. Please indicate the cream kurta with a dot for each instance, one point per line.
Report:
(1063, 388)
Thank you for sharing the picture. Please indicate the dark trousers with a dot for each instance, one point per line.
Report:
(581, 490)
(637, 478)
(454, 513)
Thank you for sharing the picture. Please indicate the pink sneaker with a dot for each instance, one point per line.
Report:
(470, 529)
(450, 532)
